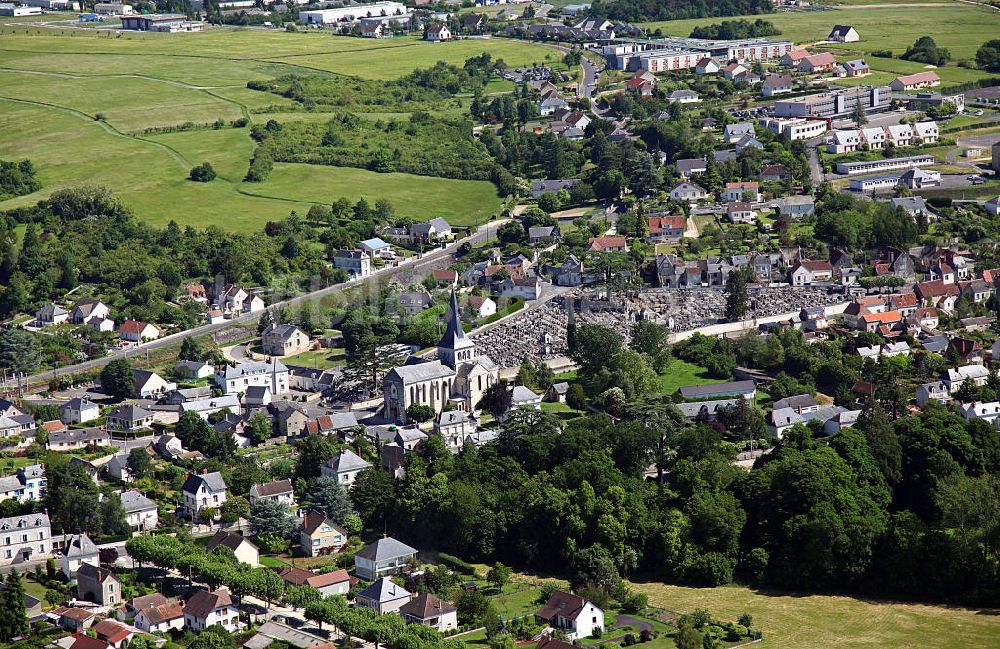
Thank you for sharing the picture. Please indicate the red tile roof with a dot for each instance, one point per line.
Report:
(606, 243)
(919, 77)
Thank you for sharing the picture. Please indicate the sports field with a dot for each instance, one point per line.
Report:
(55, 83)
(811, 621)
(961, 28)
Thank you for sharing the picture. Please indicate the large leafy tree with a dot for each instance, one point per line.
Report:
(13, 620)
(117, 379)
(328, 496)
(271, 517)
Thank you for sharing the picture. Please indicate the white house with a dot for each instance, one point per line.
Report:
(51, 314)
(235, 378)
(24, 537)
(522, 396)
(150, 384)
(277, 490)
(978, 374)
(206, 608)
(688, 192)
(141, 513)
(386, 556)
(430, 611)
(78, 549)
(159, 615)
(987, 411)
(357, 263)
(203, 490)
(384, 596)
(843, 34)
(575, 615)
(79, 410)
(344, 467)
(245, 551)
(138, 332)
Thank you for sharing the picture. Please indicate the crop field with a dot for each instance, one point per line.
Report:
(55, 83)
(961, 28)
(791, 621)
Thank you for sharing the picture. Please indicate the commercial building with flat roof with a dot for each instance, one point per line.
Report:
(352, 13)
(677, 53)
(883, 164)
(835, 103)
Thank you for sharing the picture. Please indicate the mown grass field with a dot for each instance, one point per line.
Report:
(811, 621)
(54, 82)
(961, 28)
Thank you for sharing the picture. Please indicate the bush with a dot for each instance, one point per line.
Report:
(203, 173)
(456, 563)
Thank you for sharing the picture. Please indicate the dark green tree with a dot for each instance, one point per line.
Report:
(118, 380)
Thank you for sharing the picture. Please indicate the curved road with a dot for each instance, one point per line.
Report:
(430, 259)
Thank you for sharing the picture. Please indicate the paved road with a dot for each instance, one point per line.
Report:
(429, 260)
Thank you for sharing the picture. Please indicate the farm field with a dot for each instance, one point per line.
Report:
(961, 28)
(804, 622)
(55, 83)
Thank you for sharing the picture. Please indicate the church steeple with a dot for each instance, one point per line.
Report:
(455, 347)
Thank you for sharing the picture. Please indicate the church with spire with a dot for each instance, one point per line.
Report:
(459, 376)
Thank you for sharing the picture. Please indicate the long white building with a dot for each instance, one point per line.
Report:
(24, 537)
(678, 53)
(352, 14)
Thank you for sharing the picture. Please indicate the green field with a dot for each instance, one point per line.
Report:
(808, 621)
(53, 83)
(961, 28)
(680, 373)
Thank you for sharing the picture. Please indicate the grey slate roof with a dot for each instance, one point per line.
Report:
(386, 549)
(346, 460)
(695, 391)
(133, 501)
(384, 590)
(79, 545)
(212, 480)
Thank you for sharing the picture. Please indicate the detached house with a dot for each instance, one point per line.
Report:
(204, 490)
(384, 596)
(344, 467)
(95, 584)
(206, 608)
(741, 191)
(320, 535)
(337, 582)
(141, 513)
(283, 340)
(158, 616)
(807, 271)
(278, 491)
(437, 33)
(430, 611)
(915, 81)
(822, 62)
(138, 332)
(51, 314)
(575, 615)
(688, 192)
(843, 34)
(386, 556)
(777, 84)
(86, 310)
(79, 411)
(245, 551)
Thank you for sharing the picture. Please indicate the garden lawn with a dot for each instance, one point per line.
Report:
(808, 621)
(517, 604)
(680, 373)
(961, 28)
(318, 359)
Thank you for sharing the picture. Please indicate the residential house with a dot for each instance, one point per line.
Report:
(77, 550)
(773, 173)
(732, 133)
(128, 418)
(741, 191)
(376, 247)
(207, 608)
(138, 332)
(683, 97)
(748, 141)
(806, 272)
(740, 212)
(936, 391)
(436, 229)
(87, 309)
(414, 302)
(781, 419)
(885, 321)
(822, 62)
(542, 234)
(791, 58)
(98, 585)
(856, 68)
(899, 134)
(384, 596)
(336, 582)
(431, 611)
(159, 615)
(344, 467)
(800, 403)
(319, 535)
(204, 490)
(968, 351)
(28, 484)
(733, 70)
(522, 396)
(51, 314)
(437, 32)
(576, 616)
(688, 192)
(75, 620)
(843, 34)
(284, 340)
(777, 84)
(665, 228)
(23, 538)
(76, 439)
(743, 389)
(245, 551)
(987, 411)
(707, 65)
(938, 294)
(608, 244)
(796, 206)
(926, 133)
(279, 491)
(446, 277)
(357, 263)
(194, 369)
(150, 385)
(237, 377)
(385, 556)
(79, 410)
(374, 30)
(844, 141)
(687, 167)
(141, 513)
(539, 187)
(955, 377)
(454, 426)
(915, 81)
